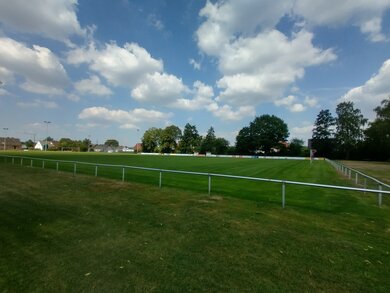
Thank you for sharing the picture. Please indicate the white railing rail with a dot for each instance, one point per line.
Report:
(380, 192)
(357, 176)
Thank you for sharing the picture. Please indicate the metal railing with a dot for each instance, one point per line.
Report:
(358, 177)
(22, 161)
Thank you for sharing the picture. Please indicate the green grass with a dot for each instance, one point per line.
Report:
(60, 233)
(317, 172)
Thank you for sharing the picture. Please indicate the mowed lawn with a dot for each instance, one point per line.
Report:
(60, 233)
(379, 170)
(304, 171)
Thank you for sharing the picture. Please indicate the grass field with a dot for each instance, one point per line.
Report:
(379, 170)
(60, 233)
(318, 172)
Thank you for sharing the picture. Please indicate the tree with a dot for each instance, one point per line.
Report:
(296, 147)
(190, 140)
(111, 143)
(208, 143)
(323, 133)
(221, 146)
(29, 143)
(377, 143)
(170, 137)
(264, 133)
(151, 140)
(349, 128)
(244, 142)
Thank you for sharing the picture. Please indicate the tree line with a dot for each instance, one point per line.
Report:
(347, 136)
(350, 136)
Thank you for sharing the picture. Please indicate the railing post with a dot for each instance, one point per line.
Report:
(380, 196)
(365, 183)
(74, 169)
(356, 178)
(160, 180)
(57, 166)
(283, 194)
(13, 161)
(349, 174)
(209, 184)
(43, 164)
(123, 174)
(96, 170)
(21, 161)
(31, 163)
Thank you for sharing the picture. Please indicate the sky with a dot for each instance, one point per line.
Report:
(112, 69)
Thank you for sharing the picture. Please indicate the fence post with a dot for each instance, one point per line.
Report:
(21, 161)
(43, 164)
(123, 174)
(57, 166)
(31, 163)
(349, 174)
(13, 161)
(283, 194)
(380, 196)
(356, 178)
(96, 170)
(74, 169)
(209, 184)
(160, 180)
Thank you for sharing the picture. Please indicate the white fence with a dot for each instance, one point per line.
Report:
(29, 161)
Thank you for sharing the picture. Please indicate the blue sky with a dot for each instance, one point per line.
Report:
(112, 69)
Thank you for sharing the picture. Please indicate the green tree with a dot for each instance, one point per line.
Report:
(244, 142)
(208, 142)
(296, 147)
(170, 137)
(66, 143)
(221, 146)
(111, 143)
(29, 143)
(190, 140)
(151, 140)
(349, 128)
(323, 134)
(378, 133)
(265, 132)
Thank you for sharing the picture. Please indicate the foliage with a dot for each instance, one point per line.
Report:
(190, 141)
(151, 140)
(377, 144)
(296, 147)
(29, 143)
(323, 134)
(170, 137)
(208, 142)
(264, 133)
(111, 143)
(349, 126)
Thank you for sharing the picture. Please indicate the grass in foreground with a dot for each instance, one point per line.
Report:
(61, 233)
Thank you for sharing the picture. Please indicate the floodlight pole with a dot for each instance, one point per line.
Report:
(138, 140)
(47, 133)
(5, 136)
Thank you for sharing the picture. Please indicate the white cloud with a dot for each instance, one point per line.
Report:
(41, 69)
(227, 113)
(311, 102)
(126, 119)
(303, 131)
(159, 88)
(38, 103)
(290, 102)
(202, 97)
(195, 64)
(369, 95)
(154, 21)
(92, 86)
(124, 66)
(365, 14)
(73, 97)
(53, 19)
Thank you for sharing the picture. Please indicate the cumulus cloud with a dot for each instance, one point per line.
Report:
(155, 22)
(202, 97)
(303, 131)
(120, 66)
(53, 19)
(126, 119)
(365, 14)
(92, 86)
(227, 113)
(195, 64)
(369, 95)
(159, 87)
(41, 69)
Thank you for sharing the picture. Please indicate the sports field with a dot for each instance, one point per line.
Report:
(64, 233)
(294, 170)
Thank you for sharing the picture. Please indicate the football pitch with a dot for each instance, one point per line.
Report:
(65, 233)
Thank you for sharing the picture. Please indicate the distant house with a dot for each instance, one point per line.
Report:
(10, 143)
(41, 145)
(138, 147)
